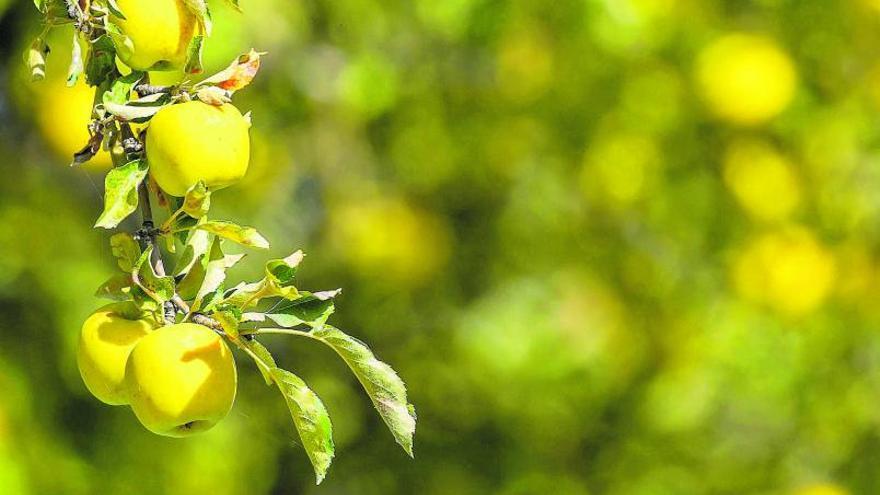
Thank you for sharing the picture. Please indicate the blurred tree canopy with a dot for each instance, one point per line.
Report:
(613, 246)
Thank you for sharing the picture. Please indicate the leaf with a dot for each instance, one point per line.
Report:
(100, 62)
(278, 282)
(313, 309)
(246, 236)
(76, 61)
(283, 271)
(114, 9)
(212, 95)
(120, 91)
(310, 418)
(35, 58)
(265, 356)
(202, 13)
(383, 385)
(116, 288)
(229, 318)
(234, 4)
(194, 55)
(120, 193)
(246, 295)
(132, 112)
(216, 264)
(239, 74)
(126, 250)
(197, 201)
(198, 243)
(161, 289)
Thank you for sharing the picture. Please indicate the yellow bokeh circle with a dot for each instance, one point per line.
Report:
(762, 180)
(745, 79)
(787, 270)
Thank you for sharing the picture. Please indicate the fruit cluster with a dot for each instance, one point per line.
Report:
(178, 379)
(161, 347)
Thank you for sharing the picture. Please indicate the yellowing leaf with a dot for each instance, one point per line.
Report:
(239, 74)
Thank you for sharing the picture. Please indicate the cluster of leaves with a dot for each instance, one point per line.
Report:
(196, 288)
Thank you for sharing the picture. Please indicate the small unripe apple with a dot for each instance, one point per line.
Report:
(106, 340)
(159, 33)
(195, 141)
(181, 380)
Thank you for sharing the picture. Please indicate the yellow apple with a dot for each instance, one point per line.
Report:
(181, 380)
(195, 141)
(105, 342)
(158, 33)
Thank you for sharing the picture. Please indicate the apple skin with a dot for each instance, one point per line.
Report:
(194, 141)
(105, 343)
(181, 380)
(160, 32)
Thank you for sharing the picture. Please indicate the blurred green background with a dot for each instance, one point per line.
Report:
(613, 247)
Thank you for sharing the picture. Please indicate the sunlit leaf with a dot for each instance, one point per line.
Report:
(246, 236)
(161, 289)
(116, 288)
(194, 55)
(310, 418)
(197, 201)
(35, 58)
(120, 91)
(120, 193)
(383, 385)
(76, 61)
(239, 74)
(265, 356)
(126, 250)
(310, 308)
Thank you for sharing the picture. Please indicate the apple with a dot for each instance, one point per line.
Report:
(195, 141)
(106, 340)
(155, 34)
(181, 380)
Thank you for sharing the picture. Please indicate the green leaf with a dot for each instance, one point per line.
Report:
(246, 236)
(313, 309)
(234, 4)
(120, 91)
(245, 295)
(197, 201)
(100, 61)
(120, 193)
(126, 250)
(35, 57)
(76, 61)
(198, 243)
(116, 288)
(194, 55)
(216, 263)
(310, 418)
(160, 289)
(113, 7)
(278, 282)
(283, 271)
(265, 356)
(383, 385)
(229, 318)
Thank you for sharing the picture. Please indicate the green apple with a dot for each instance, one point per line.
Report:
(105, 342)
(181, 380)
